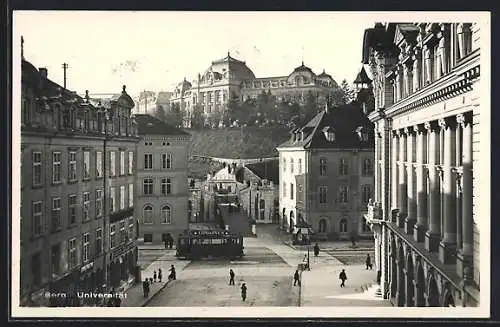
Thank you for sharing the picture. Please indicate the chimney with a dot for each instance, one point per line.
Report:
(43, 72)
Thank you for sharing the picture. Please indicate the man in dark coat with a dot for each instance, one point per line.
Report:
(145, 288)
(316, 250)
(368, 262)
(296, 278)
(159, 275)
(231, 277)
(243, 291)
(172, 273)
(343, 278)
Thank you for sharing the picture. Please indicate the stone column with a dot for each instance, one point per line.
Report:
(385, 264)
(411, 202)
(394, 172)
(465, 261)
(417, 69)
(421, 226)
(408, 78)
(448, 244)
(399, 81)
(428, 65)
(433, 234)
(458, 180)
(403, 184)
(444, 42)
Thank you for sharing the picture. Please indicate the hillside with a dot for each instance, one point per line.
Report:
(249, 142)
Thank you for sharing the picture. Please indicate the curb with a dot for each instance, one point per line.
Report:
(155, 294)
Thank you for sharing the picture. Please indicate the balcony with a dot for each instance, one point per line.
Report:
(375, 214)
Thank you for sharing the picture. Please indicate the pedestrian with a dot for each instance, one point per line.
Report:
(118, 301)
(159, 275)
(316, 250)
(243, 291)
(343, 278)
(145, 288)
(296, 277)
(165, 242)
(154, 276)
(231, 277)
(368, 262)
(150, 281)
(172, 273)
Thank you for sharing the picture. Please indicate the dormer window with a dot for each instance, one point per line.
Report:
(329, 133)
(362, 134)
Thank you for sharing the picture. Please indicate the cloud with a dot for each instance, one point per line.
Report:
(126, 66)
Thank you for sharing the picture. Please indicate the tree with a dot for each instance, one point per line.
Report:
(160, 113)
(174, 116)
(348, 93)
(197, 118)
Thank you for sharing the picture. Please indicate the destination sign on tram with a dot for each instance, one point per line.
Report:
(210, 233)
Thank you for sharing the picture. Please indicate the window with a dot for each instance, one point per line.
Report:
(130, 195)
(343, 225)
(148, 161)
(122, 163)
(72, 166)
(56, 214)
(344, 167)
(300, 166)
(37, 168)
(86, 247)
(166, 161)
(284, 165)
(367, 167)
(323, 193)
(98, 241)
(56, 167)
(322, 226)
(86, 165)
(86, 206)
(148, 214)
(112, 236)
(72, 208)
(291, 166)
(130, 162)
(148, 238)
(37, 218)
(131, 228)
(166, 186)
(291, 191)
(98, 164)
(122, 197)
(112, 171)
(322, 166)
(284, 189)
(123, 232)
(147, 186)
(98, 203)
(25, 118)
(165, 215)
(367, 193)
(343, 194)
(72, 259)
(112, 200)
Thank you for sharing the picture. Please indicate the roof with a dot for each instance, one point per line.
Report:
(147, 125)
(323, 74)
(266, 170)
(362, 77)
(343, 120)
(237, 68)
(303, 68)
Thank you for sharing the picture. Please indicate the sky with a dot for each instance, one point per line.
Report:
(156, 50)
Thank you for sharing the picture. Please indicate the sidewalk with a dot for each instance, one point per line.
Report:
(335, 246)
(135, 296)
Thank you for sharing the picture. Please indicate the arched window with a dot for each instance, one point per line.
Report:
(322, 166)
(343, 225)
(166, 217)
(322, 226)
(148, 214)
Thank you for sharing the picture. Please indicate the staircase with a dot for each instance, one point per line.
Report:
(372, 290)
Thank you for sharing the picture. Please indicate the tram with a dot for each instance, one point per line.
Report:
(198, 244)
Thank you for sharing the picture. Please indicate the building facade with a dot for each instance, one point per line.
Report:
(229, 78)
(162, 182)
(426, 79)
(326, 173)
(65, 219)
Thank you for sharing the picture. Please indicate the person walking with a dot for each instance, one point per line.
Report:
(172, 273)
(154, 276)
(296, 277)
(368, 262)
(316, 250)
(145, 288)
(343, 278)
(231, 277)
(159, 275)
(243, 291)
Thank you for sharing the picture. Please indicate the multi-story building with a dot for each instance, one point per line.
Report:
(162, 182)
(64, 189)
(326, 173)
(229, 78)
(426, 80)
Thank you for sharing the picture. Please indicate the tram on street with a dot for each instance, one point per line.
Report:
(198, 244)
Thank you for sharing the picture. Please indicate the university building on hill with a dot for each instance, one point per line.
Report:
(426, 83)
(228, 78)
(78, 232)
